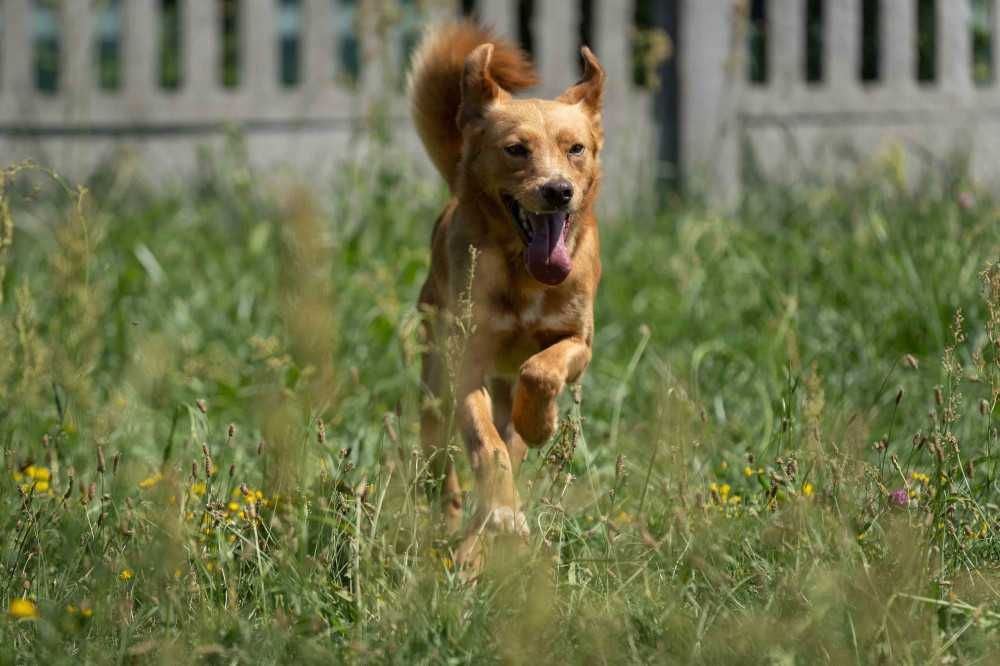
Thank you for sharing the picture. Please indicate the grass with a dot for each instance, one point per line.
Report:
(785, 450)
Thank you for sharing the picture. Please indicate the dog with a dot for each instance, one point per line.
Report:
(524, 175)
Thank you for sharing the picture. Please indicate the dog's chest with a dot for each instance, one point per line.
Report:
(522, 325)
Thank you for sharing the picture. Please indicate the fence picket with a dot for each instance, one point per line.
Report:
(259, 46)
(556, 44)
(139, 33)
(16, 60)
(843, 19)
(318, 45)
(899, 42)
(786, 42)
(200, 44)
(954, 54)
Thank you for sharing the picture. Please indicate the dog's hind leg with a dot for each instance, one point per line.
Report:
(502, 392)
(436, 409)
(443, 479)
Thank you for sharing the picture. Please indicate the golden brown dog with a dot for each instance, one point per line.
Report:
(524, 174)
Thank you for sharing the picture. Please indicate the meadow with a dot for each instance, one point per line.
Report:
(785, 449)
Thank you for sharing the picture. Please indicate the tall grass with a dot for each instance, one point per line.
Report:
(785, 449)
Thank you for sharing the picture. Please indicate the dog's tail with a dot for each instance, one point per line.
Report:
(436, 86)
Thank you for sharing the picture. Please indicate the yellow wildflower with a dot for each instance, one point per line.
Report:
(126, 574)
(22, 609)
(198, 488)
(807, 489)
(42, 486)
(233, 506)
(37, 473)
(735, 499)
(724, 490)
(150, 481)
(747, 471)
(86, 611)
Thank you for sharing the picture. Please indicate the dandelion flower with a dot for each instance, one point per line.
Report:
(150, 481)
(22, 609)
(42, 486)
(37, 473)
(747, 471)
(807, 489)
(126, 574)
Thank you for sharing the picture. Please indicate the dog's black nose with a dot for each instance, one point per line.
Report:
(557, 193)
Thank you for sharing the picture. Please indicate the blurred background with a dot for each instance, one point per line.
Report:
(704, 95)
(786, 447)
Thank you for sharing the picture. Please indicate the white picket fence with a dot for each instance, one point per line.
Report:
(785, 127)
(312, 126)
(788, 128)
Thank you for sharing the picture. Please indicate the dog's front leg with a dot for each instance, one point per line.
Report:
(499, 505)
(541, 380)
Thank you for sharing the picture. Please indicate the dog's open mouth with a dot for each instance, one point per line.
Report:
(544, 236)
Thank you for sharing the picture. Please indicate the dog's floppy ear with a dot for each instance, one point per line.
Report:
(589, 90)
(479, 88)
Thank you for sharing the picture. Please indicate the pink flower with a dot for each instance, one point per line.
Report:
(966, 200)
(900, 497)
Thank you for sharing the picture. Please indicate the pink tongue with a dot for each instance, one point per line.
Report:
(546, 257)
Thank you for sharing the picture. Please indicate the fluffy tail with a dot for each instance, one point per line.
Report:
(436, 86)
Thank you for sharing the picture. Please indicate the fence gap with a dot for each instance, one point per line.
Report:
(290, 42)
(871, 49)
(814, 35)
(927, 40)
(644, 35)
(586, 30)
(983, 41)
(108, 45)
(757, 64)
(169, 50)
(231, 56)
(46, 46)
(347, 55)
(525, 27)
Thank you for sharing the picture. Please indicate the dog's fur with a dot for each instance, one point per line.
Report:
(532, 314)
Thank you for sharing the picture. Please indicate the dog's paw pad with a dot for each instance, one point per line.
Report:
(506, 520)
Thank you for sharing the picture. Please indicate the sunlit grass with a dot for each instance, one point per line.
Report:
(785, 447)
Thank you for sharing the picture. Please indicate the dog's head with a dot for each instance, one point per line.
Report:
(538, 159)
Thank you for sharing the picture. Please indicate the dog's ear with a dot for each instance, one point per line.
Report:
(589, 90)
(479, 89)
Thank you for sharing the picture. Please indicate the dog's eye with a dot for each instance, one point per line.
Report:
(517, 150)
(577, 149)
